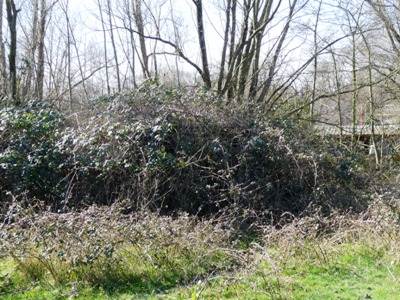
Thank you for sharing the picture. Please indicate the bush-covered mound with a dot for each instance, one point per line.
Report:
(169, 149)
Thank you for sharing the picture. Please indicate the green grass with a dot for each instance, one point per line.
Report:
(351, 271)
(350, 275)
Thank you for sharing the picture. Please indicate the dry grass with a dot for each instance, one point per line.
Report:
(102, 247)
(184, 257)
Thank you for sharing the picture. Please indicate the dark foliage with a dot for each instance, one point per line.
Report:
(171, 150)
(32, 151)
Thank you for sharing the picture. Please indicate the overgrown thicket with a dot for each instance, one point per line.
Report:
(168, 149)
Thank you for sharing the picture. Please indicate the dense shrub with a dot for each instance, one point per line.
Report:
(32, 152)
(170, 150)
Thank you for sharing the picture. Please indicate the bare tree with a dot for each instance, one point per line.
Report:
(32, 41)
(382, 11)
(138, 17)
(315, 73)
(175, 45)
(230, 25)
(113, 43)
(202, 42)
(3, 66)
(132, 42)
(104, 45)
(68, 56)
(338, 87)
(239, 76)
(12, 14)
(41, 46)
(272, 69)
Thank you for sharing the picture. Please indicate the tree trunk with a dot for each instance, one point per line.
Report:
(355, 91)
(371, 100)
(69, 65)
(114, 46)
(225, 45)
(391, 27)
(202, 42)
(315, 77)
(137, 7)
(132, 61)
(105, 47)
(42, 33)
(12, 14)
(338, 96)
(242, 78)
(232, 49)
(236, 51)
(260, 25)
(272, 69)
(31, 55)
(3, 66)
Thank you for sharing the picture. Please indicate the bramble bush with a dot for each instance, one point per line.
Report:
(32, 152)
(169, 149)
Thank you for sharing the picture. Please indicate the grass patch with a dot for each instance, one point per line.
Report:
(360, 278)
(351, 275)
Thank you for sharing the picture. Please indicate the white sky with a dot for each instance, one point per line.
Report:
(183, 9)
(83, 11)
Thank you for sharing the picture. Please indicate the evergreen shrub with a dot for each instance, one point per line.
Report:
(168, 149)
